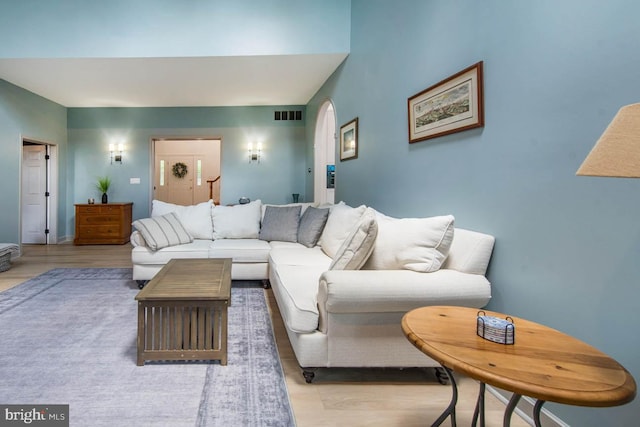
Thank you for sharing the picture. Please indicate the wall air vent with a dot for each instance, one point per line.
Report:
(287, 115)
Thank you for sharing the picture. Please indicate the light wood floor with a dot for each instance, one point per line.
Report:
(337, 397)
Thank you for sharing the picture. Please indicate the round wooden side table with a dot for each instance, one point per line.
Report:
(543, 363)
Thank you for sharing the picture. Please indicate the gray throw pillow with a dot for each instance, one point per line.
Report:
(280, 223)
(311, 226)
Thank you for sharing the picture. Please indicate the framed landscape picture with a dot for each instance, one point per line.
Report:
(349, 140)
(452, 105)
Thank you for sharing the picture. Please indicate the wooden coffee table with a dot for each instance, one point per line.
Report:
(543, 363)
(182, 311)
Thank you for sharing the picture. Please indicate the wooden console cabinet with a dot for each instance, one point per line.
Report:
(103, 224)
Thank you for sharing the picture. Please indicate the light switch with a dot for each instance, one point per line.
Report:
(134, 180)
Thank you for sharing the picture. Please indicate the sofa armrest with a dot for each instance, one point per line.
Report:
(384, 291)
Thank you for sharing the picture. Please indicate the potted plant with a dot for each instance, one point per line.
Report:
(103, 185)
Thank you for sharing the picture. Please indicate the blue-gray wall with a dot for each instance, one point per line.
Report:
(176, 28)
(149, 28)
(568, 248)
(26, 115)
(280, 172)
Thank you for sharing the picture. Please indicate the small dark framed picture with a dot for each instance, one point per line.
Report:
(349, 140)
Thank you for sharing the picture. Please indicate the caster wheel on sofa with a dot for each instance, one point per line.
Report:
(141, 283)
(308, 375)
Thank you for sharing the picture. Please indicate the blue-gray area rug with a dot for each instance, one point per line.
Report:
(68, 336)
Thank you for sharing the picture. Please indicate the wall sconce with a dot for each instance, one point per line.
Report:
(254, 155)
(116, 157)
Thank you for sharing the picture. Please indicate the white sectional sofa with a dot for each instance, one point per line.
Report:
(343, 291)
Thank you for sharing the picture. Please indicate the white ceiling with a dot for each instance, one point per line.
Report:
(173, 82)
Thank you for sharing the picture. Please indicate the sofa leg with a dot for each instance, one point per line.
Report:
(308, 375)
(141, 283)
(266, 284)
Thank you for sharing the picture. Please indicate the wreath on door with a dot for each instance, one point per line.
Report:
(179, 170)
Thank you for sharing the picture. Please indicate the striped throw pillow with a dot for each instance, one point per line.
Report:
(162, 231)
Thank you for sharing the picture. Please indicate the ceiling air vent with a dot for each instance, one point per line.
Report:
(287, 115)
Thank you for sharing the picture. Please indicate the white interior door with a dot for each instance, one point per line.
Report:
(34, 189)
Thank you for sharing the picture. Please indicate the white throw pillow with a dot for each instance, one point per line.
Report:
(159, 208)
(341, 221)
(418, 244)
(357, 247)
(238, 221)
(195, 218)
(162, 231)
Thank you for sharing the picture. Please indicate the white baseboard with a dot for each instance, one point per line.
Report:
(524, 409)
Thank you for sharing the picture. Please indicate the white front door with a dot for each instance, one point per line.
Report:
(202, 159)
(171, 188)
(34, 199)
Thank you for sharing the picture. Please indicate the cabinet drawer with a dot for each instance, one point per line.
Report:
(108, 231)
(99, 210)
(98, 219)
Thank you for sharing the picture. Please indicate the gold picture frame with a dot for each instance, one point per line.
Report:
(349, 140)
(452, 105)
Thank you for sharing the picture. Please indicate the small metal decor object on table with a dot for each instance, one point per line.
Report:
(501, 331)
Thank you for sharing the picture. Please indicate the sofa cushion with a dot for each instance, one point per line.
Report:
(237, 222)
(357, 247)
(311, 226)
(280, 223)
(142, 255)
(296, 271)
(418, 244)
(300, 256)
(195, 218)
(297, 296)
(342, 219)
(470, 252)
(240, 250)
(162, 231)
(279, 244)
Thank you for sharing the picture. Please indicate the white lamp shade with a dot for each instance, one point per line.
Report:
(617, 152)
